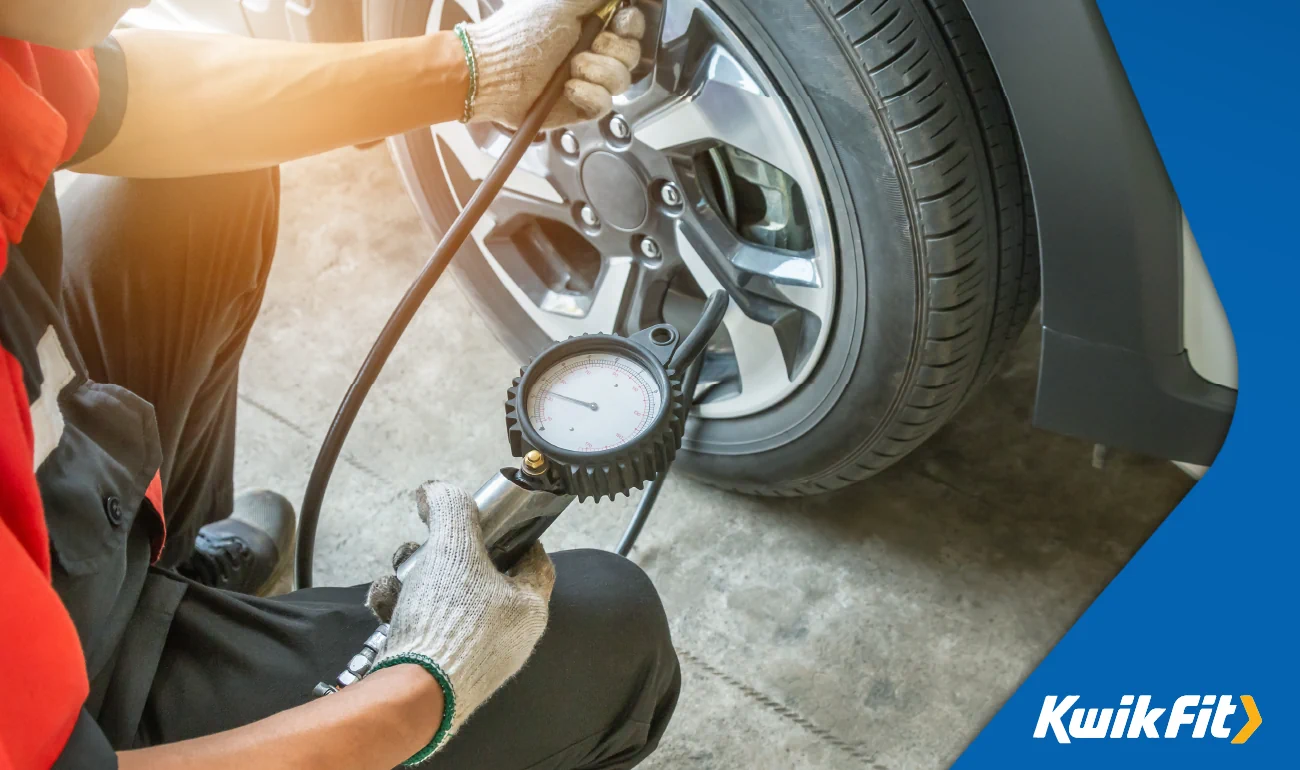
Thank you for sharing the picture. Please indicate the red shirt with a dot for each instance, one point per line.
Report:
(47, 99)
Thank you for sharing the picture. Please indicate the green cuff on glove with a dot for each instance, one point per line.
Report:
(448, 699)
(472, 64)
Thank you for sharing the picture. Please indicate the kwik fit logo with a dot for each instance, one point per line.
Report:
(1206, 716)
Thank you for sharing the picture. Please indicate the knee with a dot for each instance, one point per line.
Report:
(618, 607)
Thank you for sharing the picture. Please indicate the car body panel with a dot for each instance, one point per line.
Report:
(191, 15)
(320, 20)
(1115, 363)
(267, 18)
(1210, 348)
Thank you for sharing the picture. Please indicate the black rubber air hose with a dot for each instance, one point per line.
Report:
(710, 318)
(309, 517)
(691, 351)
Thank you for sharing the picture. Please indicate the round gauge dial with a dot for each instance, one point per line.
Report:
(593, 402)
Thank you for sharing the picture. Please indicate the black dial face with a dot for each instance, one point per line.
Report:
(593, 402)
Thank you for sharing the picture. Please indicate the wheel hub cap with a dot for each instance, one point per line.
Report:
(615, 191)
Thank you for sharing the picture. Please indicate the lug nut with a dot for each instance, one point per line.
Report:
(650, 249)
(589, 218)
(619, 127)
(670, 195)
(569, 143)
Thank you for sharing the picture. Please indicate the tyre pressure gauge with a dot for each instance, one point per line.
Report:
(603, 409)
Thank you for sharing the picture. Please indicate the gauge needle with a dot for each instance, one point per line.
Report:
(589, 404)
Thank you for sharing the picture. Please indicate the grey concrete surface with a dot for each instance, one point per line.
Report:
(880, 626)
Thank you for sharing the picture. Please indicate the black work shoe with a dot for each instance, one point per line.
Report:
(248, 552)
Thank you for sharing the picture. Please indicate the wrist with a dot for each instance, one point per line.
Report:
(412, 686)
(446, 72)
(428, 684)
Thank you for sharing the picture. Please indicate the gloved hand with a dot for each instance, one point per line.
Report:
(466, 623)
(513, 52)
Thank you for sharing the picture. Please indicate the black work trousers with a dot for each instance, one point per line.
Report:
(163, 281)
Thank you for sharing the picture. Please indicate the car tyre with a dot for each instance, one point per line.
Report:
(932, 215)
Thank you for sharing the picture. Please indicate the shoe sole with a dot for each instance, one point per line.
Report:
(281, 569)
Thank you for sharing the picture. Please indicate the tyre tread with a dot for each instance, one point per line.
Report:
(973, 205)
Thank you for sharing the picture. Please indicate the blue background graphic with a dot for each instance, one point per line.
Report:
(1208, 604)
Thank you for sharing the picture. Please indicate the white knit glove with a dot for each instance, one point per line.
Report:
(467, 624)
(512, 54)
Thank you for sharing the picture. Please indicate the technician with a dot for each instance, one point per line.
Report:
(131, 628)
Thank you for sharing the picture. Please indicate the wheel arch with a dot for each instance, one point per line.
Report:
(1115, 367)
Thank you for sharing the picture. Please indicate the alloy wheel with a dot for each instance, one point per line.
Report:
(700, 180)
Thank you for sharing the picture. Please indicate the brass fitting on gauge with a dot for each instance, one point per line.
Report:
(534, 463)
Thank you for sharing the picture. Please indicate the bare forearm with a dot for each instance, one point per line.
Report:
(202, 104)
(377, 723)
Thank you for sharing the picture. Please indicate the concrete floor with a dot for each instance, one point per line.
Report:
(880, 626)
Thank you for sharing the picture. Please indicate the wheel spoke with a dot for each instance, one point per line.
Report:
(758, 355)
(470, 9)
(743, 258)
(559, 314)
(677, 16)
(721, 102)
(493, 143)
(646, 98)
(663, 45)
(643, 302)
(783, 267)
(761, 359)
(510, 204)
(541, 160)
(809, 299)
(530, 177)
(606, 302)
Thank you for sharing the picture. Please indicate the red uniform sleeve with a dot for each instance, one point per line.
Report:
(47, 685)
(47, 99)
